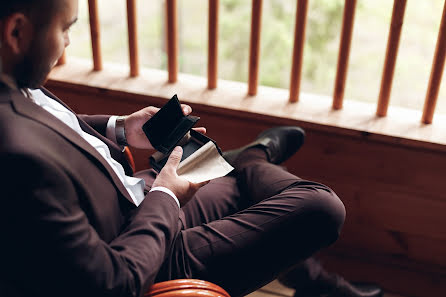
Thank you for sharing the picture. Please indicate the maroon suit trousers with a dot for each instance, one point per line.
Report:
(241, 231)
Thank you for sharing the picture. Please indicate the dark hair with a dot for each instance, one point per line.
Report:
(39, 11)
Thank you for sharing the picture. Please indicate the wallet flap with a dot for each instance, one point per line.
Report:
(168, 126)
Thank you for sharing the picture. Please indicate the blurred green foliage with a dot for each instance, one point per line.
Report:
(323, 27)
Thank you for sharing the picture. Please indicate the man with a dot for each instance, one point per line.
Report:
(77, 222)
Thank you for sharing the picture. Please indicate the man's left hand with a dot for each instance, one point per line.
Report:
(134, 122)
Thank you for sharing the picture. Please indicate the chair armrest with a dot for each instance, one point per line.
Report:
(129, 157)
(186, 288)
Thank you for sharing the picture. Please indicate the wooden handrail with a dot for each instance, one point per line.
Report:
(172, 39)
(95, 34)
(254, 47)
(213, 44)
(344, 53)
(399, 7)
(133, 37)
(436, 73)
(298, 49)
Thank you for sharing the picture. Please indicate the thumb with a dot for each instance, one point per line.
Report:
(199, 185)
(174, 158)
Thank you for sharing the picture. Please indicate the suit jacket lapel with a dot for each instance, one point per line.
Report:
(115, 151)
(25, 107)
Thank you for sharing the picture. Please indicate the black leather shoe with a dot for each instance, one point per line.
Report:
(342, 288)
(280, 143)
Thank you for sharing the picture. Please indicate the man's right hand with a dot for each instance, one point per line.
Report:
(168, 178)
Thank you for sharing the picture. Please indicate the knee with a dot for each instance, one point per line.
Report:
(328, 214)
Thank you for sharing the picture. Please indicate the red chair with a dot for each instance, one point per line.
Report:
(129, 157)
(186, 288)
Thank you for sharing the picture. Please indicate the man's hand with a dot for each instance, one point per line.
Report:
(134, 122)
(168, 178)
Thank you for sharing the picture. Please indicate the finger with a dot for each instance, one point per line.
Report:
(151, 110)
(186, 109)
(174, 158)
(154, 109)
(202, 130)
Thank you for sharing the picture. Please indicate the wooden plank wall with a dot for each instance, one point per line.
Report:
(395, 232)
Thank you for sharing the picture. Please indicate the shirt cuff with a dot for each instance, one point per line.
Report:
(167, 191)
(110, 131)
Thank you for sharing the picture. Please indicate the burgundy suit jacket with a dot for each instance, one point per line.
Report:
(67, 228)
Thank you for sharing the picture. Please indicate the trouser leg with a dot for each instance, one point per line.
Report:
(240, 233)
(288, 221)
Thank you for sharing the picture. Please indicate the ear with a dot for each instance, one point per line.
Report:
(17, 33)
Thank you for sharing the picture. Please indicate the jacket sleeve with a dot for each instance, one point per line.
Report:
(53, 249)
(98, 122)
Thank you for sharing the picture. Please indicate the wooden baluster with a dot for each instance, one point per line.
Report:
(95, 34)
(254, 47)
(172, 40)
(436, 73)
(133, 37)
(213, 44)
(298, 50)
(63, 59)
(399, 7)
(344, 53)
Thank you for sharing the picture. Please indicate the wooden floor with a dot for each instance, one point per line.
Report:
(275, 289)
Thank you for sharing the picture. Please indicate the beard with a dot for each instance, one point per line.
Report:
(32, 71)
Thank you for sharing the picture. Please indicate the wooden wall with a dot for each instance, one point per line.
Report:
(395, 231)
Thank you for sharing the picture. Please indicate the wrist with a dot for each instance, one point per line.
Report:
(121, 137)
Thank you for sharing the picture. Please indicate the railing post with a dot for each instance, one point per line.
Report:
(298, 49)
(399, 7)
(254, 47)
(436, 73)
(172, 40)
(133, 37)
(344, 53)
(213, 44)
(95, 34)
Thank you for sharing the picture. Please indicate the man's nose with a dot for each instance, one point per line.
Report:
(67, 41)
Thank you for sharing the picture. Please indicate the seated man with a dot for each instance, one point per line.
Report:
(77, 222)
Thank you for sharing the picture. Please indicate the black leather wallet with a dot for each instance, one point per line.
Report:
(168, 128)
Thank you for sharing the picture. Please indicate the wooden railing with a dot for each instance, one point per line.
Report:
(396, 25)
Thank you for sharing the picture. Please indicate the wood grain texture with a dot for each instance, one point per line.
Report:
(416, 282)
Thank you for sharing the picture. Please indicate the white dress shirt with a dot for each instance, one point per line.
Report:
(134, 186)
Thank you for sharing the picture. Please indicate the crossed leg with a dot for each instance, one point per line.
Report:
(241, 232)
